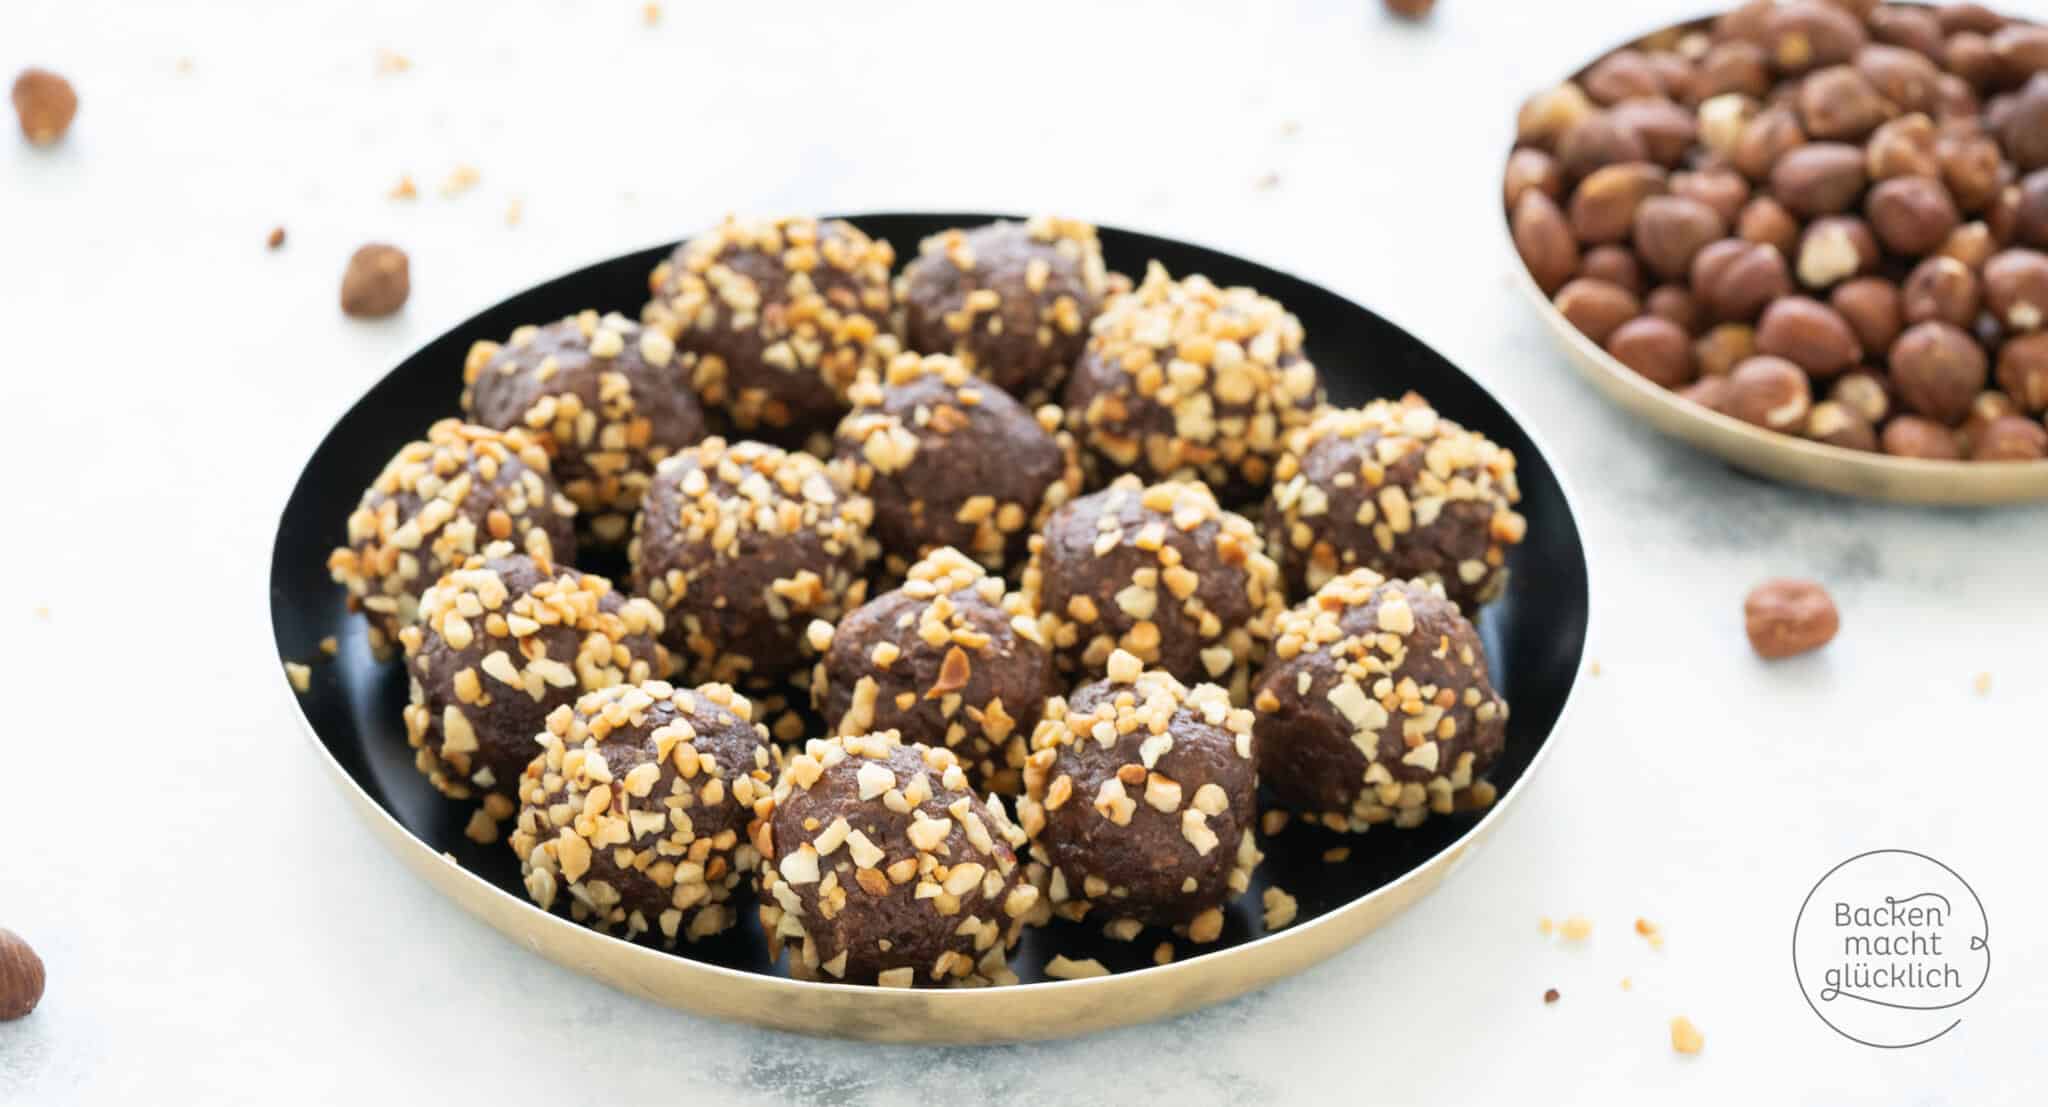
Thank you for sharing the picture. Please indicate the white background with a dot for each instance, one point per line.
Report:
(218, 927)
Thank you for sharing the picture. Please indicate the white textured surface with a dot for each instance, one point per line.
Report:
(216, 925)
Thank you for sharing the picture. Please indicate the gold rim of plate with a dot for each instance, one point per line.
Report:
(948, 1016)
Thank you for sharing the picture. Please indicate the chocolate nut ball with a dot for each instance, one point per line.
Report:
(2011, 438)
(1377, 706)
(1141, 801)
(1918, 437)
(1771, 393)
(1938, 368)
(1911, 215)
(742, 545)
(502, 641)
(2023, 370)
(606, 395)
(1655, 347)
(1669, 230)
(772, 319)
(1011, 300)
(1160, 571)
(949, 459)
(1941, 289)
(438, 501)
(1872, 308)
(1597, 307)
(879, 866)
(1181, 377)
(1544, 240)
(1819, 178)
(1808, 334)
(636, 809)
(950, 660)
(2016, 288)
(1396, 488)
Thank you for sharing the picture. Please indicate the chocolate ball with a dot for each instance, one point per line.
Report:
(1011, 300)
(879, 866)
(950, 660)
(772, 319)
(1141, 801)
(949, 459)
(742, 545)
(606, 395)
(1160, 571)
(438, 501)
(636, 809)
(1185, 378)
(1396, 488)
(503, 640)
(1377, 706)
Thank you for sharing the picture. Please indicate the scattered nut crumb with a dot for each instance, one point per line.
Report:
(1577, 928)
(1594, 668)
(377, 282)
(1267, 182)
(276, 238)
(1290, 128)
(300, 676)
(1281, 908)
(650, 12)
(1163, 954)
(43, 612)
(21, 977)
(1550, 995)
(482, 829)
(405, 189)
(1336, 855)
(330, 645)
(391, 61)
(1649, 930)
(515, 211)
(1628, 984)
(460, 180)
(1983, 684)
(1063, 968)
(1545, 925)
(1685, 1037)
(183, 66)
(46, 104)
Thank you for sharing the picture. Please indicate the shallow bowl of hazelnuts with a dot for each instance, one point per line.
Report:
(1810, 237)
(929, 628)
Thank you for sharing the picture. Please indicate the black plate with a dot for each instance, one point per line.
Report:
(1534, 635)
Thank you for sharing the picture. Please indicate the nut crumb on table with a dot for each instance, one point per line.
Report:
(460, 179)
(46, 103)
(1550, 995)
(1685, 1037)
(1577, 928)
(405, 189)
(1651, 933)
(1788, 617)
(391, 61)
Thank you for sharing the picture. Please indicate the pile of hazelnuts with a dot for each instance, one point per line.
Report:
(1827, 218)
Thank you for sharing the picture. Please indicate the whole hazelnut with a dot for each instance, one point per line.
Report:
(21, 977)
(2030, 212)
(1819, 178)
(377, 282)
(2002, 218)
(1914, 436)
(1808, 334)
(1785, 618)
(1984, 407)
(1911, 215)
(1871, 307)
(1968, 55)
(1764, 141)
(1544, 241)
(2024, 130)
(1970, 244)
(1598, 139)
(45, 104)
(1899, 77)
(1596, 307)
(1673, 302)
(2016, 287)
(1937, 368)
(1603, 207)
(2021, 50)
(1547, 115)
(1679, 74)
(1721, 119)
(1616, 265)
(1528, 168)
(1654, 347)
(1864, 393)
(1717, 352)
(1903, 147)
(1770, 392)
(1666, 130)
(1942, 289)
(1975, 18)
(1724, 190)
(1669, 230)
(1745, 22)
(1766, 220)
(1732, 67)
(1808, 34)
(1708, 392)
(1913, 28)
(1838, 425)
(1954, 100)
(2011, 438)
(1623, 75)
(2023, 370)
(1734, 279)
(1410, 9)
(1839, 102)
(1836, 248)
